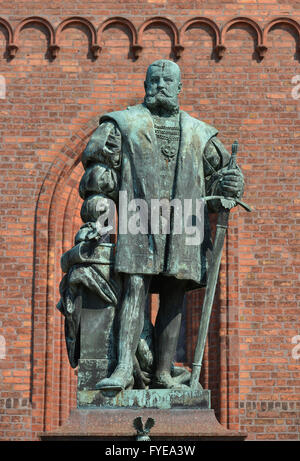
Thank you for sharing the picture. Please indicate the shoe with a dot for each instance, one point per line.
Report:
(120, 379)
(165, 381)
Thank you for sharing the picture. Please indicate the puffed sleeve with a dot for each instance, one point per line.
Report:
(215, 158)
(215, 161)
(101, 160)
(104, 146)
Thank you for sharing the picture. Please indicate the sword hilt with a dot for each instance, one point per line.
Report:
(230, 199)
(232, 162)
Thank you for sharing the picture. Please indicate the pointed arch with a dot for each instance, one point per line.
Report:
(54, 228)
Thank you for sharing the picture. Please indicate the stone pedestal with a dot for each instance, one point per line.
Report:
(180, 424)
(140, 399)
(178, 416)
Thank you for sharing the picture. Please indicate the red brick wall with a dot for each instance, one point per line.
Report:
(52, 106)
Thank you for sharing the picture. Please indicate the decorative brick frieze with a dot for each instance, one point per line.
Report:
(137, 33)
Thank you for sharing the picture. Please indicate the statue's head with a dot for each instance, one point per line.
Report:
(162, 86)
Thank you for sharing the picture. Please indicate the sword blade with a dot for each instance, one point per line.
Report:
(209, 295)
(212, 279)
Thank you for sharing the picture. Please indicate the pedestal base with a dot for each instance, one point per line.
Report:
(117, 425)
(152, 398)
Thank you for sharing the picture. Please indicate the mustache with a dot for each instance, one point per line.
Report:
(160, 101)
(160, 92)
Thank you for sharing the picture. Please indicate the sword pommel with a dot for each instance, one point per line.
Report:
(232, 162)
(235, 146)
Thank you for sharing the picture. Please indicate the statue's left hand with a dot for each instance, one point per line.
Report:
(232, 183)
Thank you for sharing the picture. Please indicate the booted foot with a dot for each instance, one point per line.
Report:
(165, 381)
(120, 379)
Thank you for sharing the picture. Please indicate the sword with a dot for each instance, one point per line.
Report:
(226, 204)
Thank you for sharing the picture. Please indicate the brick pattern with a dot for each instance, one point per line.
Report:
(52, 107)
(271, 420)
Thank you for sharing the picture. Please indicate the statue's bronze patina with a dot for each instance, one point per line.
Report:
(149, 151)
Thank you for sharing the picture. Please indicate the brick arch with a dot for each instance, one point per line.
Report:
(14, 46)
(260, 48)
(134, 46)
(56, 221)
(53, 384)
(59, 377)
(94, 47)
(8, 28)
(177, 48)
(201, 21)
(11, 46)
(8, 36)
(278, 22)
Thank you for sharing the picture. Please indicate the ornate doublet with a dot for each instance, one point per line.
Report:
(167, 131)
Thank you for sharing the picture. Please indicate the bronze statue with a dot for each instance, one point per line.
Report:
(151, 151)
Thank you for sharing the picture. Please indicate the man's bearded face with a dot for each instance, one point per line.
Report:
(162, 87)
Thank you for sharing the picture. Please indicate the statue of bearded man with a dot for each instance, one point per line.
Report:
(154, 150)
